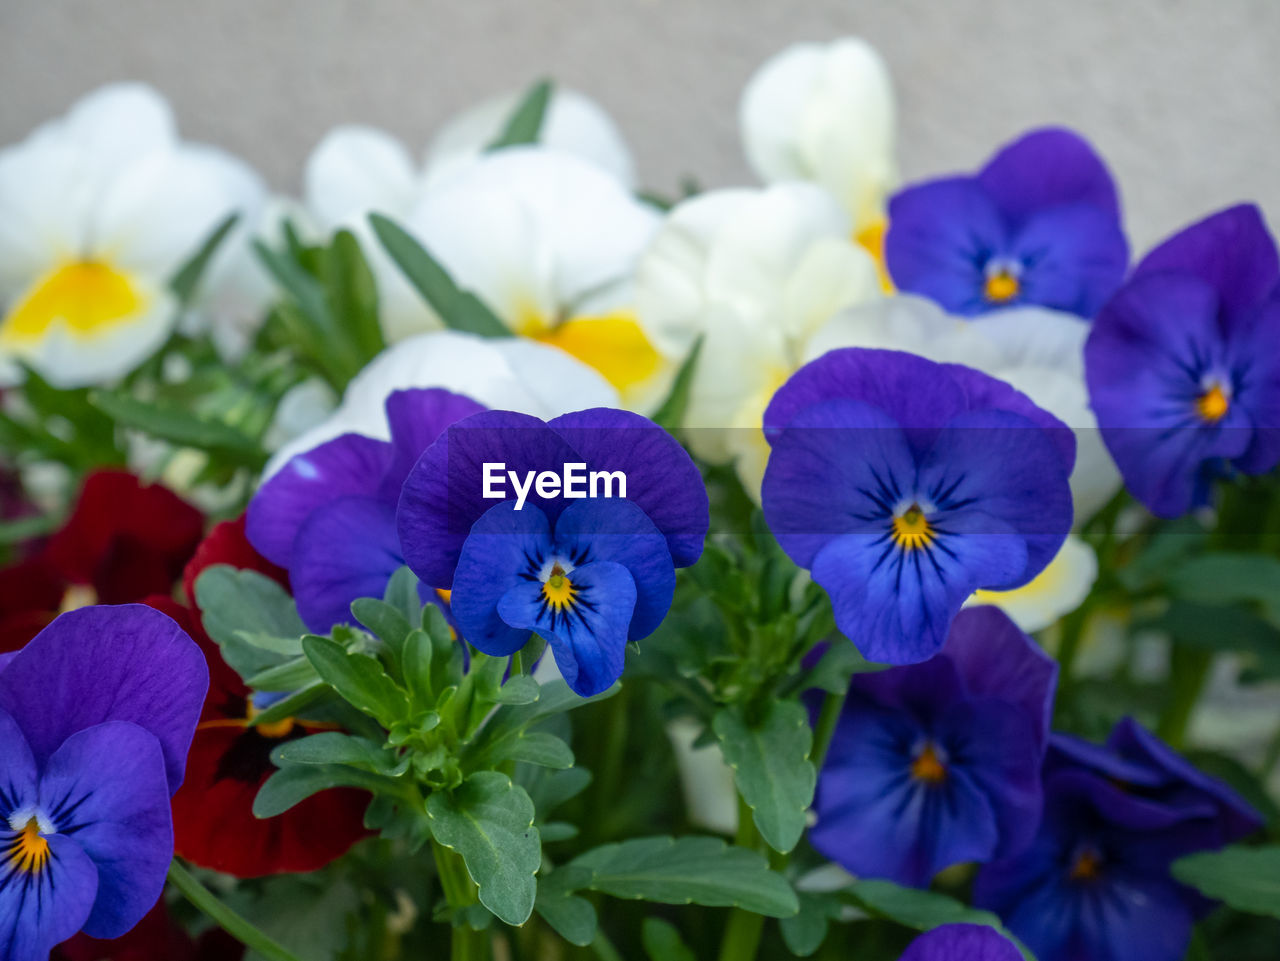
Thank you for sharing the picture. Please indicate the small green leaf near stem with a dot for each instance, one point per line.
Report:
(228, 920)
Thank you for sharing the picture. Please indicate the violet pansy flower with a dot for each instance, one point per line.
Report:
(938, 763)
(587, 574)
(1039, 224)
(962, 942)
(1182, 365)
(96, 715)
(905, 485)
(328, 515)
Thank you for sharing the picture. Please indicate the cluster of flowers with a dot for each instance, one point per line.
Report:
(927, 392)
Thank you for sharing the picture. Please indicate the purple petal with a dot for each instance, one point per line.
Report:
(105, 788)
(348, 466)
(36, 916)
(962, 942)
(1231, 250)
(346, 549)
(444, 493)
(997, 660)
(1075, 257)
(99, 664)
(982, 391)
(417, 417)
(1251, 351)
(661, 478)
(941, 235)
(18, 776)
(1048, 168)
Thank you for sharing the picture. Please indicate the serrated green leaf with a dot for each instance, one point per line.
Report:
(525, 123)
(293, 785)
(358, 678)
(572, 917)
(293, 674)
(489, 821)
(670, 413)
(386, 622)
(662, 941)
(244, 604)
(1248, 879)
(770, 761)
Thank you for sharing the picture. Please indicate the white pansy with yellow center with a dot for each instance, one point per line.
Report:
(501, 373)
(824, 113)
(550, 244)
(754, 272)
(98, 210)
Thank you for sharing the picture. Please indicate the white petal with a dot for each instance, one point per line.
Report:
(356, 170)
(908, 323)
(1059, 589)
(711, 799)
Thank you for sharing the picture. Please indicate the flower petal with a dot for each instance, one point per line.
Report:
(1074, 256)
(1049, 167)
(35, 917)
(962, 942)
(416, 418)
(18, 777)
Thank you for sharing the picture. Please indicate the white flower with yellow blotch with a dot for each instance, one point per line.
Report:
(754, 272)
(98, 210)
(824, 113)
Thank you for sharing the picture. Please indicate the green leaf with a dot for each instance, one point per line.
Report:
(1221, 628)
(293, 785)
(241, 606)
(305, 290)
(1248, 879)
(525, 123)
(532, 747)
(521, 689)
(921, 910)
(662, 941)
(458, 309)
(770, 761)
(353, 295)
(1225, 577)
(670, 413)
(805, 931)
(181, 427)
(689, 870)
(402, 594)
(293, 674)
(187, 279)
(359, 678)
(489, 821)
(311, 915)
(383, 619)
(333, 747)
(572, 917)
(295, 704)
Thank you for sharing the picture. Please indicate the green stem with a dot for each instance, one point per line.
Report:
(467, 943)
(832, 705)
(1188, 675)
(742, 933)
(1271, 757)
(228, 920)
(1069, 646)
(604, 948)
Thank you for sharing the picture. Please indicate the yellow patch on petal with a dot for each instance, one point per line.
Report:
(613, 344)
(911, 529)
(558, 589)
(1213, 404)
(871, 239)
(87, 297)
(927, 767)
(29, 851)
(1087, 866)
(1001, 286)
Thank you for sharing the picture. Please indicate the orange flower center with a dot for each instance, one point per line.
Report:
(928, 768)
(1087, 866)
(29, 851)
(1213, 404)
(1001, 286)
(911, 529)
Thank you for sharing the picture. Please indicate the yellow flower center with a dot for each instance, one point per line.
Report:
(558, 589)
(1001, 286)
(272, 729)
(613, 344)
(871, 239)
(85, 296)
(1087, 866)
(911, 529)
(927, 768)
(1213, 404)
(29, 851)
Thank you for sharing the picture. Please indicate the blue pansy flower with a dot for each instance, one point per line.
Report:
(962, 942)
(905, 485)
(96, 715)
(1095, 881)
(938, 763)
(328, 515)
(1182, 365)
(1039, 224)
(587, 574)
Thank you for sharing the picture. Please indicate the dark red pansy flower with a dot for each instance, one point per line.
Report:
(157, 937)
(213, 819)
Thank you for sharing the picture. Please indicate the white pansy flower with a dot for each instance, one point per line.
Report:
(754, 272)
(503, 374)
(98, 211)
(824, 112)
(1057, 590)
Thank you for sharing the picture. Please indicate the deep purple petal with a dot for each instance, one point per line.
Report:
(98, 664)
(36, 916)
(105, 788)
(925, 691)
(941, 235)
(995, 659)
(1251, 352)
(1047, 168)
(962, 942)
(444, 493)
(1073, 258)
(348, 466)
(417, 417)
(982, 391)
(18, 774)
(346, 549)
(661, 478)
(1231, 250)
(590, 639)
(506, 547)
(619, 531)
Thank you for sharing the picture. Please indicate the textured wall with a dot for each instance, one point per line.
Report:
(1180, 95)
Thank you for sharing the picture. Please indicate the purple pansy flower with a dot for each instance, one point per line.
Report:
(962, 942)
(1095, 881)
(938, 763)
(328, 515)
(1039, 224)
(904, 485)
(96, 715)
(1182, 366)
(588, 574)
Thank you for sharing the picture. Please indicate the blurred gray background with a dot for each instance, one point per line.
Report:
(1181, 96)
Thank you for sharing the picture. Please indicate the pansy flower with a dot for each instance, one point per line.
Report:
(96, 716)
(98, 211)
(962, 942)
(904, 485)
(1039, 224)
(328, 515)
(1095, 881)
(587, 574)
(1182, 366)
(938, 763)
